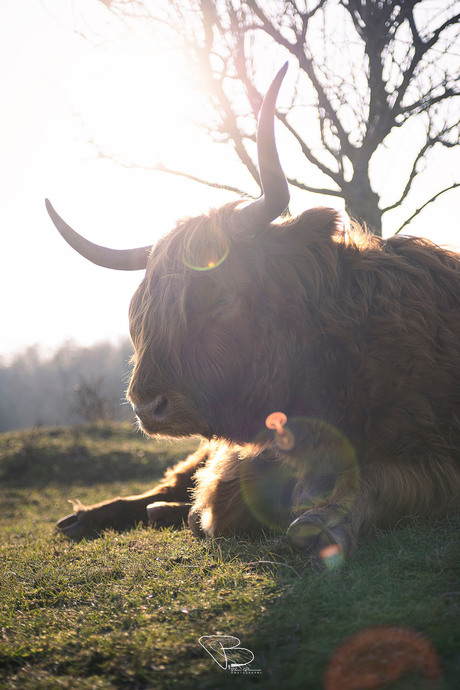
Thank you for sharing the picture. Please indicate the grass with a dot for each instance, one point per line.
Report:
(126, 609)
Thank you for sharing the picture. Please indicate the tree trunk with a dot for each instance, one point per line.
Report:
(362, 203)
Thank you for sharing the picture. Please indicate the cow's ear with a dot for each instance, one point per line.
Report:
(324, 222)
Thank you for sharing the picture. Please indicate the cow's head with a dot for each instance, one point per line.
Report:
(214, 323)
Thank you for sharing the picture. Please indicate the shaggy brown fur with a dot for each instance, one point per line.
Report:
(355, 339)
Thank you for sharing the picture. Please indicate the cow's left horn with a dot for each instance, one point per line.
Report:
(275, 197)
(119, 259)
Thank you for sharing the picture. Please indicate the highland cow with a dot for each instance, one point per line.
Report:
(354, 338)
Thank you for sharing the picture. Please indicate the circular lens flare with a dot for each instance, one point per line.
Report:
(285, 441)
(209, 259)
(325, 464)
(379, 657)
(318, 468)
(266, 488)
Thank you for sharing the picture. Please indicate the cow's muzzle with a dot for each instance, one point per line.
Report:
(169, 414)
(153, 413)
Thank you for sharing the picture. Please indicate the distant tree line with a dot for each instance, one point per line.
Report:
(73, 385)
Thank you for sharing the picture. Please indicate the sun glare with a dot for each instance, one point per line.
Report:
(87, 121)
(133, 107)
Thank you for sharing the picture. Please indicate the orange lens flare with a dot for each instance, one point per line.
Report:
(320, 468)
(284, 439)
(332, 556)
(276, 420)
(377, 657)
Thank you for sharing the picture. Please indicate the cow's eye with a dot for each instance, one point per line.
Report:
(222, 301)
(205, 295)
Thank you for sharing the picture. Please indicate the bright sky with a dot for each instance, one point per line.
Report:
(58, 90)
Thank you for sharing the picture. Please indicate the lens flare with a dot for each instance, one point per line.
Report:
(377, 657)
(332, 557)
(209, 259)
(284, 438)
(318, 467)
(323, 461)
(266, 488)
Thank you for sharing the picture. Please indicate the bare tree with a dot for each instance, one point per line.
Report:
(91, 402)
(365, 69)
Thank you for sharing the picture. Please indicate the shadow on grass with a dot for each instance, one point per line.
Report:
(397, 598)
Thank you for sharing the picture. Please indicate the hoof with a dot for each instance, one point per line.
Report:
(164, 514)
(315, 532)
(194, 523)
(72, 526)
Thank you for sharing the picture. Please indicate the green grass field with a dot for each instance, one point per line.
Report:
(126, 610)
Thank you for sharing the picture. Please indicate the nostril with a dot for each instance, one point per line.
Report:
(154, 409)
(159, 405)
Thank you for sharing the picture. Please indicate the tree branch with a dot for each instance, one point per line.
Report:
(224, 106)
(316, 190)
(395, 69)
(430, 142)
(306, 64)
(426, 102)
(215, 185)
(160, 167)
(419, 210)
(307, 152)
(420, 49)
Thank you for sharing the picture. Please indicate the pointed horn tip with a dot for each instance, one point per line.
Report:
(284, 68)
(50, 208)
(277, 81)
(275, 196)
(53, 214)
(271, 96)
(118, 259)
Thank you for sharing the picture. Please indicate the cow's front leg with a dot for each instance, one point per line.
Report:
(315, 531)
(378, 494)
(170, 501)
(328, 501)
(241, 490)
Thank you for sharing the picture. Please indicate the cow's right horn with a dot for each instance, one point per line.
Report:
(275, 197)
(119, 259)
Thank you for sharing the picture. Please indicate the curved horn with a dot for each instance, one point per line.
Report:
(120, 259)
(275, 197)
